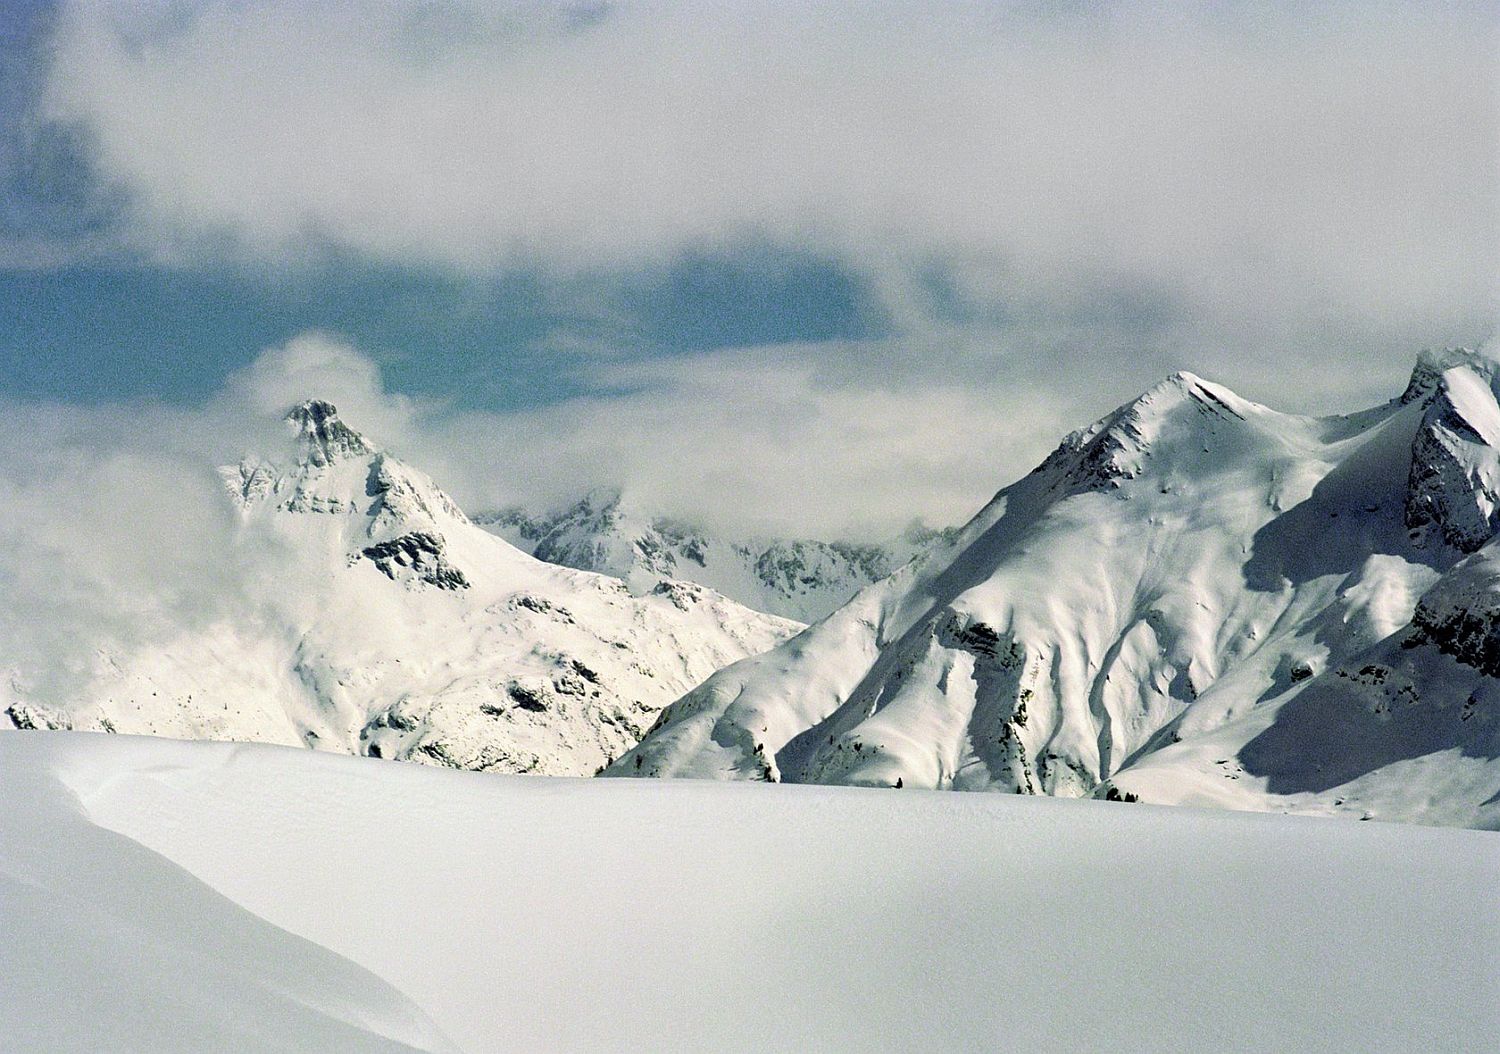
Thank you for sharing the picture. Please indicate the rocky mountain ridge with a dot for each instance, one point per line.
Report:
(801, 579)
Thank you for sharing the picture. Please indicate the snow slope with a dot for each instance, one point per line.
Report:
(109, 946)
(1193, 569)
(800, 579)
(532, 914)
(380, 621)
(1409, 728)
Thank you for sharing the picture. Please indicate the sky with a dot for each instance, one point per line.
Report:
(808, 268)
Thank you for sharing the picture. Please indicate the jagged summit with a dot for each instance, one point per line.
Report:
(802, 579)
(1433, 363)
(363, 612)
(603, 497)
(1180, 414)
(1183, 386)
(1196, 599)
(384, 511)
(1453, 486)
(323, 436)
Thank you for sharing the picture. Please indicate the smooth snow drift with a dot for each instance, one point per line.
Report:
(108, 946)
(546, 914)
(1196, 600)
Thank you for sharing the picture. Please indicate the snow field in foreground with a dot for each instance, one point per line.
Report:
(549, 914)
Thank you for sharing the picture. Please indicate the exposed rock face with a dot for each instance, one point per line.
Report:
(29, 717)
(249, 481)
(1174, 576)
(417, 556)
(1453, 493)
(1460, 616)
(400, 496)
(325, 439)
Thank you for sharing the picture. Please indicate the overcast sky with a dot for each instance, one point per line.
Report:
(804, 267)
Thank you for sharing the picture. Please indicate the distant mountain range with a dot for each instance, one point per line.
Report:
(802, 579)
(1195, 600)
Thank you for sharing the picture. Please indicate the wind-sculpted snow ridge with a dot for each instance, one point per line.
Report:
(801, 579)
(112, 947)
(1197, 599)
(379, 620)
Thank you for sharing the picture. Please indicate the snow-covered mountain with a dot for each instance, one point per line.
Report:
(387, 624)
(802, 579)
(1195, 600)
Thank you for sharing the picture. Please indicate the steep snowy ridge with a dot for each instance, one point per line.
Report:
(1114, 449)
(388, 624)
(801, 579)
(1189, 566)
(1195, 600)
(1454, 487)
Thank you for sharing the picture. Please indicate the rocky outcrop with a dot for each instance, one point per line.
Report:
(1453, 490)
(419, 556)
(325, 439)
(371, 616)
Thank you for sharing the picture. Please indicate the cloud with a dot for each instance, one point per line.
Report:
(118, 529)
(771, 445)
(832, 439)
(315, 365)
(1266, 166)
(1053, 204)
(113, 529)
(115, 516)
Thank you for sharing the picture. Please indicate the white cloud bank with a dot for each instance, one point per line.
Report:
(1306, 174)
(1288, 199)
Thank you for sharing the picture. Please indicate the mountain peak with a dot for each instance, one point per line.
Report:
(1454, 481)
(1432, 363)
(323, 436)
(1177, 390)
(1114, 448)
(1215, 396)
(600, 499)
(1182, 379)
